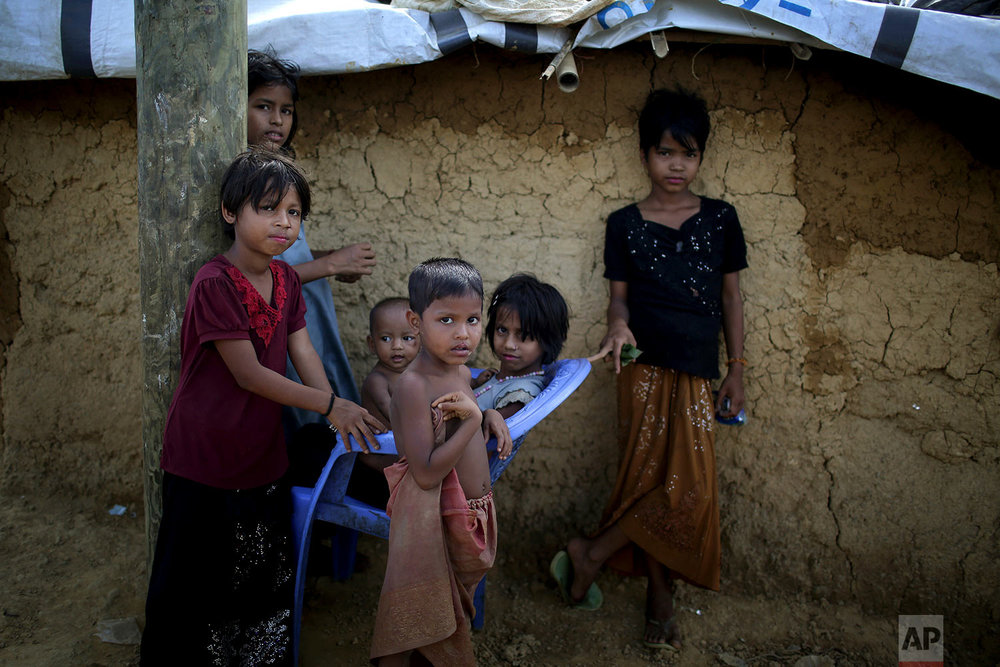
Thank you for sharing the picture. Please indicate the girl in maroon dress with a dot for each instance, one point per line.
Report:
(221, 587)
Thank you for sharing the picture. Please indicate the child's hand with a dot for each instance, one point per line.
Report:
(481, 379)
(350, 419)
(732, 387)
(494, 424)
(351, 262)
(457, 405)
(618, 334)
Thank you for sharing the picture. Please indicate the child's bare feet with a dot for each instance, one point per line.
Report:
(585, 569)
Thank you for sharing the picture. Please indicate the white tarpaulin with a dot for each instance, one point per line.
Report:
(52, 39)
(962, 50)
(625, 21)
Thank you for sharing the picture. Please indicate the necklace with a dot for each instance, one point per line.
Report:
(480, 392)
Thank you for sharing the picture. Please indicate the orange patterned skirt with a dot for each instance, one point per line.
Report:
(666, 497)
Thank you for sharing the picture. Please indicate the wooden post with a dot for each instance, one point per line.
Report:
(191, 87)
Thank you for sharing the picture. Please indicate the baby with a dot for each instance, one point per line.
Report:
(395, 343)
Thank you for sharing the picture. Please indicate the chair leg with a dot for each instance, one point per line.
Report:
(344, 542)
(301, 533)
(479, 600)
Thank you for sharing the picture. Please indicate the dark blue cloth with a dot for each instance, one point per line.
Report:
(222, 583)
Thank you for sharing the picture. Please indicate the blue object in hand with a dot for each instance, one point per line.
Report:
(739, 419)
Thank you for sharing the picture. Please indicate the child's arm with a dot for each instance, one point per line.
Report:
(618, 332)
(493, 423)
(508, 410)
(347, 264)
(732, 330)
(241, 360)
(414, 432)
(484, 375)
(375, 396)
(346, 416)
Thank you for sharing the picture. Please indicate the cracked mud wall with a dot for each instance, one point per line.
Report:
(71, 379)
(868, 469)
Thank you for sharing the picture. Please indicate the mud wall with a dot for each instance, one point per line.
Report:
(868, 469)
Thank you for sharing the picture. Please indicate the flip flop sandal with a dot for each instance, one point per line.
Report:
(561, 569)
(667, 628)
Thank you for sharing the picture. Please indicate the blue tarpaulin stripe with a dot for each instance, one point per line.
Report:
(895, 35)
(74, 31)
(452, 33)
(521, 37)
(793, 7)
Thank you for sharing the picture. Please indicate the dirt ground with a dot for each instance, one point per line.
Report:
(67, 566)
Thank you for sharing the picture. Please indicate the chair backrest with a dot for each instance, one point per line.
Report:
(337, 471)
(566, 375)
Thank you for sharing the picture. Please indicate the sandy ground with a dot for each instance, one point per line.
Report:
(66, 567)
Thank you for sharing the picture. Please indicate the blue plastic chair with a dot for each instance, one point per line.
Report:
(327, 500)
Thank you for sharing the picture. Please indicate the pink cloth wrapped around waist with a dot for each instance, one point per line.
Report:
(440, 546)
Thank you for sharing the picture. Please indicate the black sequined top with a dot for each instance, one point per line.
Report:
(674, 281)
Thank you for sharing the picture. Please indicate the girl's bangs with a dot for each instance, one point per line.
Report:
(684, 137)
(274, 184)
(530, 318)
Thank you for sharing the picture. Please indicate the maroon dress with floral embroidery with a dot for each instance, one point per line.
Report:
(218, 433)
(221, 586)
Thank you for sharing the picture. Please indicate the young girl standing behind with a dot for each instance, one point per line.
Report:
(272, 120)
(673, 261)
(221, 586)
(527, 324)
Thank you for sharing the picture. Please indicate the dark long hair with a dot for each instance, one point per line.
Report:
(541, 308)
(264, 68)
(679, 112)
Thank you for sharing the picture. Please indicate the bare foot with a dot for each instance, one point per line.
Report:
(585, 569)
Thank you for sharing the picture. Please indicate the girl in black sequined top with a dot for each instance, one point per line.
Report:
(673, 262)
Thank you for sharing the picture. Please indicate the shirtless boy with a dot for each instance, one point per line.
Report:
(442, 537)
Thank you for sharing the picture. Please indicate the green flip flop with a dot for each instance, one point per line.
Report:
(561, 569)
